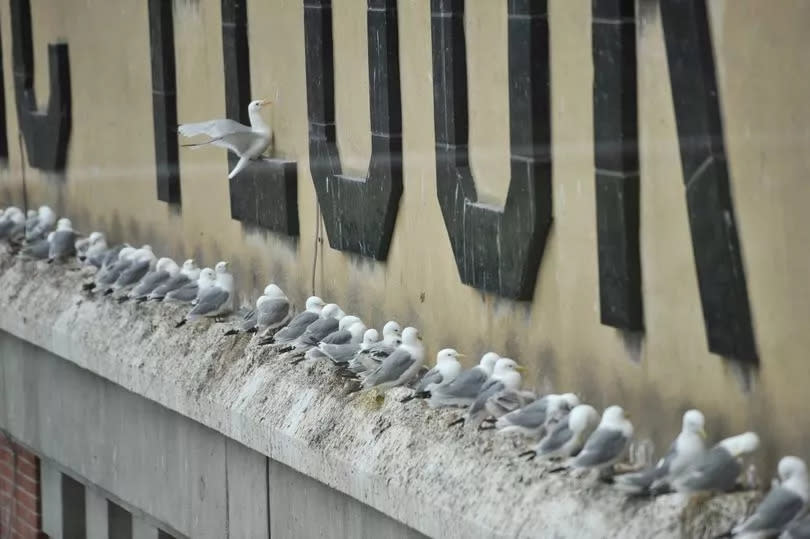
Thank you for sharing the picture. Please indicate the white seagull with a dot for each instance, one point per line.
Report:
(246, 142)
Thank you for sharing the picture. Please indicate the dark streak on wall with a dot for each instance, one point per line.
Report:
(164, 100)
(265, 193)
(496, 250)
(46, 133)
(3, 126)
(359, 213)
(720, 272)
(616, 161)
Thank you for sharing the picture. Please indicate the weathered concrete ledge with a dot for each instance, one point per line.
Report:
(398, 458)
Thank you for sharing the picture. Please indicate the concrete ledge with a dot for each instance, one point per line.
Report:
(398, 458)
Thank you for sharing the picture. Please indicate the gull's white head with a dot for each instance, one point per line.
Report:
(255, 106)
(222, 266)
(571, 400)
(30, 214)
(582, 418)
(207, 277)
(694, 422)
(790, 467)
(49, 239)
(273, 291)
(46, 216)
(507, 371)
(392, 328)
(793, 473)
(411, 337)
(331, 310)
(371, 336)
(315, 304)
(614, 417)
(95, 237)
(742, 444)
(447, 355)
(127, 253)
(64, 224)
(488, 362)
(189, 265)
(163, 264)
(347, 321)
(144, 254)
(262, 300)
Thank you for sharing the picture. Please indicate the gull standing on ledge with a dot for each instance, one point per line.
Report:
(246, 142)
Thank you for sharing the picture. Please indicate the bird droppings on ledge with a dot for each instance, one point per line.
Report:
(400, 458)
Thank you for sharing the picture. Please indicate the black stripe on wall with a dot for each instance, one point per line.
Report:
(46, 133)
(720, 272)
(265, 193)
(616, 159)
(358, 213)
(164, 100)
(496, 250)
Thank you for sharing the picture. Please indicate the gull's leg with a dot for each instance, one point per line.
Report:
(240, 165)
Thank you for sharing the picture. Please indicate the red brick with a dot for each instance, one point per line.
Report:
(27, 483)
(28, 501)
(27, 467)
(24, 516)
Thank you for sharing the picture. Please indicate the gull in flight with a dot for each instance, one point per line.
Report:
(246, 142)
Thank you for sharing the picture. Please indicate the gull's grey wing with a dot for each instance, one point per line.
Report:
(210, 301)
(379, 349)
(433, 376)
(172, 283)
(272, 313)
(340, 353)
(63, 244)
(297, 326)
(111, 275)
(560, 435)
(317, 331)
(149, 282)
(490, 388)
(531, 416)
(39, 249)
(799, 530)
(185, 294)
(776, 511)
(133, 274)
(717, 471)
(503, 402)
(342, 336)
(603, 446)
(637, 482)
(466, 385)
(391, 369)
(212, 128)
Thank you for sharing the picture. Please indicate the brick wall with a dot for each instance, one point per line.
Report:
(20, 507)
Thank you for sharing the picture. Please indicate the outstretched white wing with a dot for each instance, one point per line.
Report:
(227, 134)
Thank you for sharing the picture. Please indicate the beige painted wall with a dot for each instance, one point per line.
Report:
(764, 79)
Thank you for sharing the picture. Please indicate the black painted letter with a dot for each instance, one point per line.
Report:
(265, 193)
(497, 250)
(46, 134)
(164, 100)
(723, 290)
(359, 213)
(615, 126)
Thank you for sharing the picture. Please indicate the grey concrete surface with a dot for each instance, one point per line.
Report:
(97, 518)
(399, 459)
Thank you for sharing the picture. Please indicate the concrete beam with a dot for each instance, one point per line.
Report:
(399, 459)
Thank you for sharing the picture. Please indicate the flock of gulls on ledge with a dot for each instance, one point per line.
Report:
(565, 428)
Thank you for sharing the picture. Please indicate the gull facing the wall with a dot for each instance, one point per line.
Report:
(246, 142)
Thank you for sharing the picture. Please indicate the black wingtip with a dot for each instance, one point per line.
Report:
(51, 260)
(181, 323)
(231, 332)
(459, 421)
(558, 469)
(409, 398)
(122, 299)
(108, 292)
(88, 286)
(531, 454)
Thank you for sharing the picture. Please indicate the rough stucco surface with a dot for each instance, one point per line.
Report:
(398, 458)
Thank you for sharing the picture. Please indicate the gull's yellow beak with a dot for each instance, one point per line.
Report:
(265, 102)
(702, 433)
(459, 354)
(520, 368)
